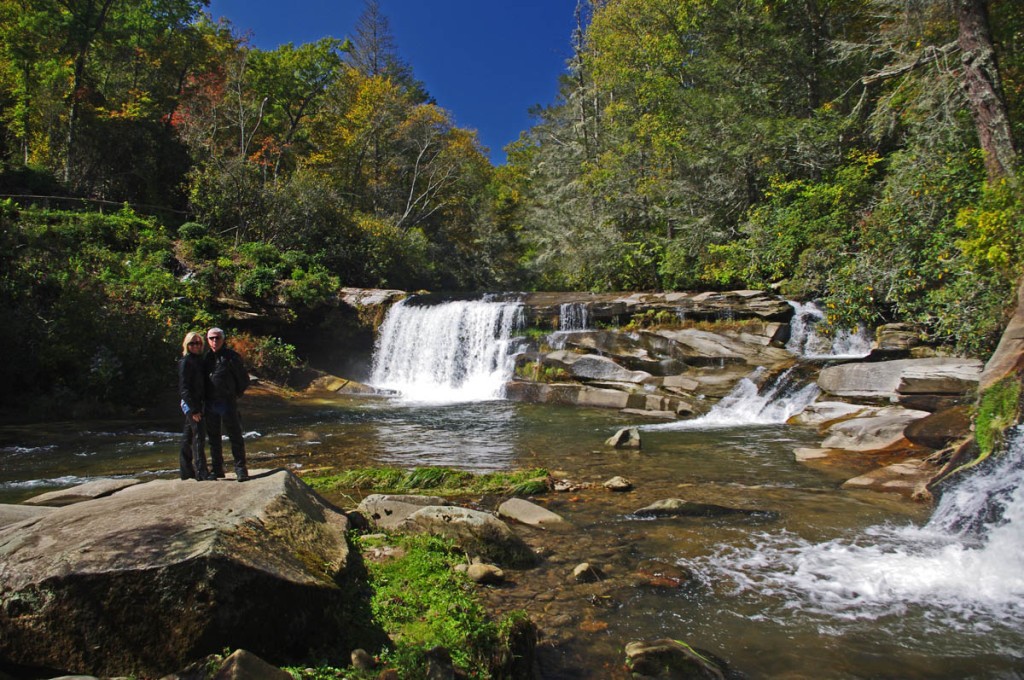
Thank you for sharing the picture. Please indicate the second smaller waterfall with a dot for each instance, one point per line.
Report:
(573, 316)
(772, 403)
(805, 341)
(455, 351)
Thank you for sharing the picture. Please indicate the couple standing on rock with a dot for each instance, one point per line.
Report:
(209, 384)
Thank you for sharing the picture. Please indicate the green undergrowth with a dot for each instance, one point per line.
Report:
(436, 479)
(423, 603)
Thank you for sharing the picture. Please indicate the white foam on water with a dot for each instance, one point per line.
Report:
(747, 404)
(964, 568)
(805, 341)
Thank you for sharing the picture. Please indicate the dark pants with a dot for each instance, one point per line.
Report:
(192, 459)
(220, 413)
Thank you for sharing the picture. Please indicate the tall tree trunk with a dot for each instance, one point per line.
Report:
(984, 90)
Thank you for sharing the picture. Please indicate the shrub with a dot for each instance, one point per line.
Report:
(258, 282)
(267, 357)
(310, 288)
(192, 231)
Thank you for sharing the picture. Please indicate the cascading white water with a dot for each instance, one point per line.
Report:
(573, 316)
(747, 404)
(451, 352)
(805, 341)
(965, 566)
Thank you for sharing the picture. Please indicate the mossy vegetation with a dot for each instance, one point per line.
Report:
(998, 409)
(423, 603)
(437, 479)
(538, 372)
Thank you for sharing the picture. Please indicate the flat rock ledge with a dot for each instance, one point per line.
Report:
(164, 573)
(97, 488)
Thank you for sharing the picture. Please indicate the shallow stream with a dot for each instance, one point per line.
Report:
(824, 584)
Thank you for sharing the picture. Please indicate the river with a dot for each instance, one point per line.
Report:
(822, 583)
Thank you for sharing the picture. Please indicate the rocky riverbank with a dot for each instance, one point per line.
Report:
(676, 355)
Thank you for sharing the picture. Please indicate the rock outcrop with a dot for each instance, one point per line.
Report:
(1009, 355)
(167, 572)
(902, 380)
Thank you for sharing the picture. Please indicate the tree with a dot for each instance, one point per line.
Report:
(983, 86)
(374, 53)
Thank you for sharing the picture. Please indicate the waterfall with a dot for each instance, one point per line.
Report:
(451, 352)
(805, 341)
(965, 566)
(747, 404)
(573, 316)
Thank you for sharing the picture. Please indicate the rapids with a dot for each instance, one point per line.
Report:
(831, 584)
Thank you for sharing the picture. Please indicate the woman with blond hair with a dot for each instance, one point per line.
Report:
(192, 389)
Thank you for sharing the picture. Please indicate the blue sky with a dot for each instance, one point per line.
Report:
(485, 61)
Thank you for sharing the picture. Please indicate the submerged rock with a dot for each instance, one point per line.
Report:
(909, 477)
(677, 507)
(619, 484)
(585, 572)
(626, 438)
(655, 574)
(668, 659)
(167, 572)
(528, 513)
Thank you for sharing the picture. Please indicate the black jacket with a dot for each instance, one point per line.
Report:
(227, 378)
(192, 382)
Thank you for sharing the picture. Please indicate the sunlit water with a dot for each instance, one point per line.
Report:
(840, 584)
(822, 583)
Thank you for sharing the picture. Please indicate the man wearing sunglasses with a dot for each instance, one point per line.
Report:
(227, 379)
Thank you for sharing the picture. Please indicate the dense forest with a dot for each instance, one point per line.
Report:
(861, 152)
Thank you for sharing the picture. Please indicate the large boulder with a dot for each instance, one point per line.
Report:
(692, 345)
(887, 380)
(594, 367)
(387, 511)
(164, 573)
